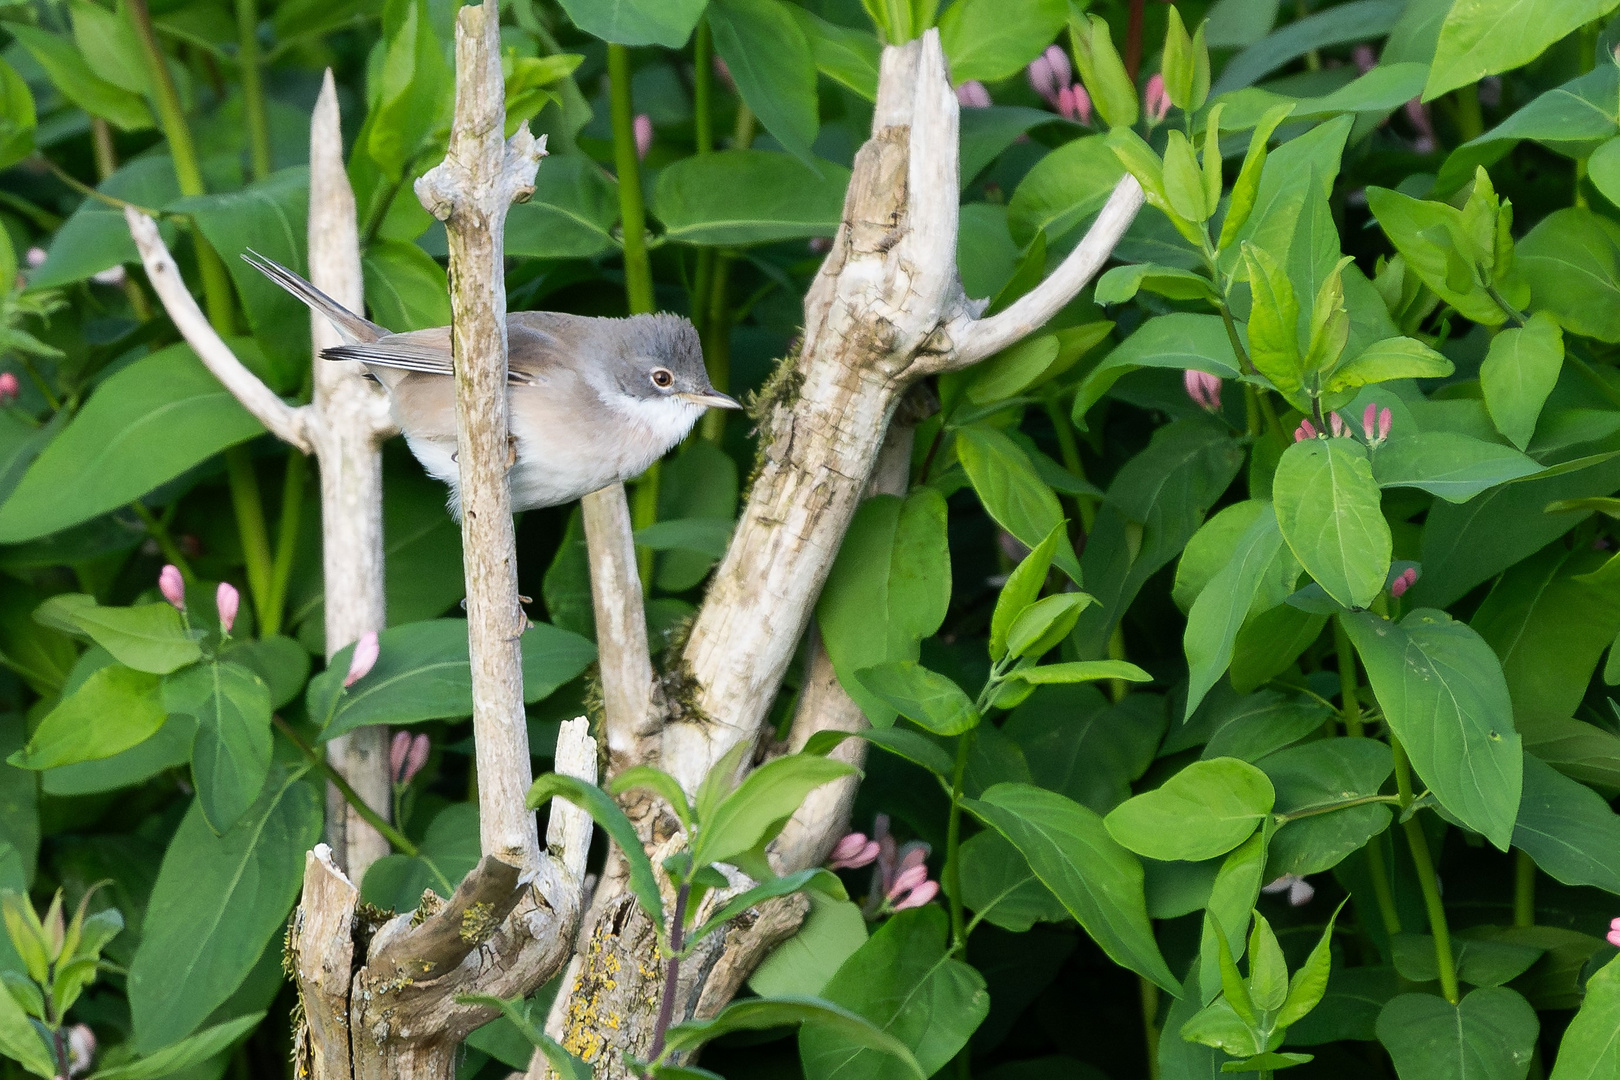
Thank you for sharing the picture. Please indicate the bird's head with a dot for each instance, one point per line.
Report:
(662, 360)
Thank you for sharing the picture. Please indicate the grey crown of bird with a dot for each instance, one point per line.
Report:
(591, 401)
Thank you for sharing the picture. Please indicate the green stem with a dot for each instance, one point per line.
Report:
(1346, 804)
(1470, 120)
(703, 87)
(249, 508)
(1524, 890)
(1427, 880)
(1069, 451)
(158, 530)
(258, 120)
(1244, 364)
(183, 152)
(401, 843)
(1150, 1023)
(292, 506)
(638, 284)
(1350, 698)
(953, 843)
(716, 334)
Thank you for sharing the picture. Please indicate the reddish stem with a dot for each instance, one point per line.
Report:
(1133, 40)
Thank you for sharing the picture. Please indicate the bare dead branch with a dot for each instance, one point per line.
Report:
(440, 942)
(632, 723)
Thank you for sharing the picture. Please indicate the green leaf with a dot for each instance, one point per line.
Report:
(1080, 671)
(770, 60)
(405, 288)
(1320, 774)
(1490, 1035)
(1183, 180)
(1223, 605)
(1392, 358)
(570, 215)
(999, 887)
(114, 709)
(1012, 492)
(422, 673)
(1122, 283)
(1483, 37)
(17, 118)
(1478, 961)
(148, 637)
(749, 197)
(1568, 829)
(143, 426)
(761, 804)
(1603, 169)
(1572, 119)
(447, 853)
(1572, 259)
(1016, 368)
(1589, 1049)
(1519, 372)
(1102, 71)
(231, 757)
(1246, 188)
(1268, 971)
(920, 695)
(822, 881)
(1273, 322)
(888, 589)
(1454, 466)
(189, 1051)
(217, 902)
(1329, 512)
(1444, 696)
(20, 1040)
(990, 41)
(803, 964)
(849, 57)
(905, 983)
(1179, 340)
(71, 75)
(1205, 810)
(1341, 24)
(1097, 880)
(1309, 983)
(566, 1065)
(406, 89)
(1429, 237)
(1063, 189)
(707, 536)
(637, 22)
(606, 813)
(1040, 626)
(1232, 896)
(1022, 587)
(657, 781)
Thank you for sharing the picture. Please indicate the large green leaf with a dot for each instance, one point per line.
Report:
(1328, 509)
(1223, 604)
(96, 237)
(217, 903)
(1454, 466)
(446, 854)
(1568, 829)
(571, 214)
(748, 197)
(147, 637)
(1519, 372)
(888, 589)
(231, 757)
(1096, 879)
(926, 697)
(606, 813)
(770, 61)
(1064, 188)
(189, 1051)
(1205, 810)
(70, 74)
(829, 1019)
(1590, 1048)
(143, 427)
(1356, 21)
(1318, 774)
(405, 288)
(115, 709)
(1444, 696)
(1572, 259)
(1179, 340)
(1571, 119)
(21, 1041)
(637, 22)
(1489, 1035)
(990, 40)
(1483, 37)
(1080, 746)
(761, 804)
(906, 983)
(1012, 492)
(804, 963)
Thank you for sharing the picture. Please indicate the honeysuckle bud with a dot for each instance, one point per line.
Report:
(9, 388)
(853, 852)
(421, 746)
(1336, 425)
(973, 95)
(1155, 101)
(1407, 579)
(1614, 933)
(365, 655)
(406, 756)
(1075, 104)
(918, 896)
(1298, 889)
(227, 600)
(1046, 78)
(644, 135)
(908, 879)
(173, 586)
(1058, 61)
(398, 749)
(36, 257)
(1385, 421)
(81, 1046)
(1204, 389)
(724, 74)
(1306, 430)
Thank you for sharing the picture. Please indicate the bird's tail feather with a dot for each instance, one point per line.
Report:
(351, 327)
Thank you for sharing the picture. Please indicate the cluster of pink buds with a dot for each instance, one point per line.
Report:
(1406, 580)
(1051, 77)
(1375, 424)
(1614, 933)
(365, 656)
(406, 756)
(973, 95)
(853, 852)
(1298, 889)
(644, 135)
(9, 388)
(173, 586)
(1156, 99)
(900, 878)
(1204, 389)
(1306, 430)
(227, 600)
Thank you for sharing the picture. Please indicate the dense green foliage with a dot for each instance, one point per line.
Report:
(1266, 588)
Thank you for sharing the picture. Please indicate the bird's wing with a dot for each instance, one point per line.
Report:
(531, 349)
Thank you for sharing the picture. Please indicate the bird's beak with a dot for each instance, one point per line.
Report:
(712, 399)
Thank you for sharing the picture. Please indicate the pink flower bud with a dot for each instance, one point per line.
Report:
(421, 746)
(1306, 430)
(365, 655)
(724, 74)
(1336, 423)
(853, 852)
(1203, 388)
(227, 600)
(1057, 61)
(398, 749)
(909, 879)
(1614, 933)
(973, 95)
(644, 135)
(1043, 80)
(1156, 101)
(172, 586)
(919, 896)
(1398, 587)
(1385, 422)
(1082, 104)
(36, 257)
(9, 388)
(912, 855)
(851, 845)
(1369, 421)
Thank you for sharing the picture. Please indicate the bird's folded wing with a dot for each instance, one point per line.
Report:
(392, 352)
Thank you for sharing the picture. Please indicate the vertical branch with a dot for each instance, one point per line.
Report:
(621, 631)
(471, 192)
(351, 423)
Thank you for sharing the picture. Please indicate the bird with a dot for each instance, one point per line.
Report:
(591, 401)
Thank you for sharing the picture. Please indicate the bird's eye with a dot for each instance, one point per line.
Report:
(662, 378)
